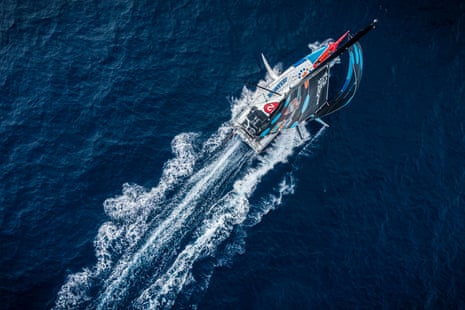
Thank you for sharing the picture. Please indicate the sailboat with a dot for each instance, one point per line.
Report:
(301, 93)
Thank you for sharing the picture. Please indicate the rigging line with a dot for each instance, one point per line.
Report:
(269, 90)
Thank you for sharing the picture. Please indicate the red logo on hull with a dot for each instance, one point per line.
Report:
(270, 107)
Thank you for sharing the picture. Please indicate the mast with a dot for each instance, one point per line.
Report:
(349, 42)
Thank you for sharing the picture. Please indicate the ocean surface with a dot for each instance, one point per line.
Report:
(118, 192)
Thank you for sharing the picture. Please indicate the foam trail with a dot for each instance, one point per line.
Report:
(129, 213)
(230, 210)
(147, 250)
(165, 230)
(214, 230)
(151, 241)
(271, 201)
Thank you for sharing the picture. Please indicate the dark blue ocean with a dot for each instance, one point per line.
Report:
(117, 191)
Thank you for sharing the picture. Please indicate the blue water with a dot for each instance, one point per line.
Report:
(116, 191)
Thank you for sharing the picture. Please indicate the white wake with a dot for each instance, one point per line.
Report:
(146, 250)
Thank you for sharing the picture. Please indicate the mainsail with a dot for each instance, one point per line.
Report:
(351, 84)
(302, 92)
(309, 99)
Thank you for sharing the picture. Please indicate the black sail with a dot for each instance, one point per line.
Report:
(309, 99)
(350, 86)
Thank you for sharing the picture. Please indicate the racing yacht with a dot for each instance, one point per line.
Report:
(301, 93)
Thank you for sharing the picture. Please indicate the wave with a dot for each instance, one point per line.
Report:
(147, 250)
